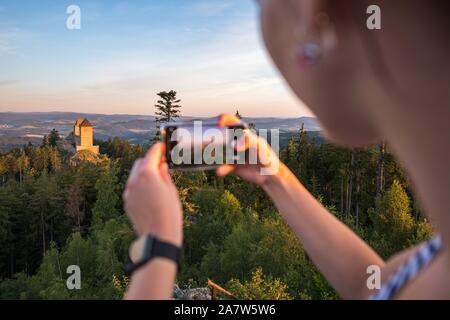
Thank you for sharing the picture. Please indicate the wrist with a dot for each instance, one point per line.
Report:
(170, 236)
(274, 182)
(167, 233)
(147, 248)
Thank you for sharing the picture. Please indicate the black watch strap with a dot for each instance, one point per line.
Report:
(155, 248)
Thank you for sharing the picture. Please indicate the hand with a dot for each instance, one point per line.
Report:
(268, 165)
(151, 199)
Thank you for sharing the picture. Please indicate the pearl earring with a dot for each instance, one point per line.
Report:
(308, 54)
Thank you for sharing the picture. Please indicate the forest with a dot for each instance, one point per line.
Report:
(55, 213)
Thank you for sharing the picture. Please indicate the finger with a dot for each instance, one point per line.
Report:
(249, 140)
(224, 170)
(260, 152)
(227, 119)
(125, 196)
(134, 172)
(252, 140)
(164, 171)
(153, 158)
(135, 167)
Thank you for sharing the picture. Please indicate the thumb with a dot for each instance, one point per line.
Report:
(224, 170)
(153, 158)
(164, 171)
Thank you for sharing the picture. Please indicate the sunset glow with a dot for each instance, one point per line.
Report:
(209, 51)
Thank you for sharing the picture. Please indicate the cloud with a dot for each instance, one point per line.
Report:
(6, 40)
(210, 7)
(232, 56)
(216, 65)
(8, 82)
(231, 70)
(6, 49)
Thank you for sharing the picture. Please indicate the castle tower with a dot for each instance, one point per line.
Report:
(83, 132)
(76, 126)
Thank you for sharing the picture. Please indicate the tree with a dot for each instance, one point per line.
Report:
(289, 156)
(81, 252)
(107, 199)
(75, 203)
(45, 141)
(3, 168)
(23, 164)
(54, 159)
(302, 153)
(381, 167)
(392, 219)
(46, 203)
(20, 242)
(48, 283)
(216, 214)
(112, 243)
(53, 138)
(39, 160)
(232, 229)
(10, 165)
(4, 214)
(260, 287)
(167, 109)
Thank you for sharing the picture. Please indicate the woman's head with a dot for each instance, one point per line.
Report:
(366, 80)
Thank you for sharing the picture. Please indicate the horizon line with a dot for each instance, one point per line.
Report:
(148, 115)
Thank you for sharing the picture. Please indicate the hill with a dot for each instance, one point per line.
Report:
(17, 128)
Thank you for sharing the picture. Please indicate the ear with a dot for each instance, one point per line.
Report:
(308, 11)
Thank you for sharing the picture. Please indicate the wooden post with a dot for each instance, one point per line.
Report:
(215, 287)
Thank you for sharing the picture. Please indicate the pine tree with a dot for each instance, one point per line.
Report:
(381, 167)
(107, 198)
(53, 138)
(54, 159)
(289, 155)
(167, 109)
(3, 169)
(45, 141)
(392, 219)
(75, 204)
(302, 153)
(45, 203)
(23, 163)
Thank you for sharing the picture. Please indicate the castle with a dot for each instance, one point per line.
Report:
(83, 136)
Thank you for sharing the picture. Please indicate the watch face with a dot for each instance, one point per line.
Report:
(146, 247)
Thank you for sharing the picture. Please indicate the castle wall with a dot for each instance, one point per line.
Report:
(87, 136)
(93, 149)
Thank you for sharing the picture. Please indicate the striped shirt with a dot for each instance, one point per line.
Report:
(409, 270)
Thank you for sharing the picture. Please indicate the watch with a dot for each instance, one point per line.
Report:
(148, 247)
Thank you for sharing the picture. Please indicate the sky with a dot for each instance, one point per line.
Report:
(209, 51)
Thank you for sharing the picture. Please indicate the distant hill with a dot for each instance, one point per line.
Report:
(17, 128)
